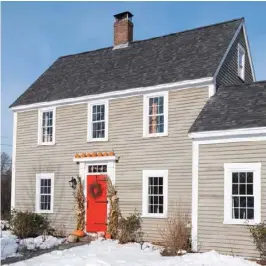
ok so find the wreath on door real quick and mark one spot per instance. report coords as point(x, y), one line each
point(96, 190)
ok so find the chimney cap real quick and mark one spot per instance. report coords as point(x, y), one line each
point(123, 15)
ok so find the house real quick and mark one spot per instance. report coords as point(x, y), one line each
point(176, 119)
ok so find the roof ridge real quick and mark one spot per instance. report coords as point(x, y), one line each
point(162, 36)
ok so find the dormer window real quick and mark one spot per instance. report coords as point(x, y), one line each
point(241, 62)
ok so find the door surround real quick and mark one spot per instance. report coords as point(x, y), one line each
point(84, 164)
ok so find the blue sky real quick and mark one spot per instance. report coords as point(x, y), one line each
point(35, 34)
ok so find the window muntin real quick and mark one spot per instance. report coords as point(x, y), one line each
point(155, 115)
point(242, 193)
point(98, 121)
point(155, 193)
point(44, 192)
point(241, 62)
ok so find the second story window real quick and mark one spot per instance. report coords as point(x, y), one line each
point(155, 120)
point(46, 132)
point(241, 62)
point(98, 121)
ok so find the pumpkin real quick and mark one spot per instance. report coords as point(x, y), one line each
point(93, 154)
point(99, 154)
point(88, 154)
point(78, 233)
point(105, 154)
point(77, 155)
point(83, 155)
point(111, 153)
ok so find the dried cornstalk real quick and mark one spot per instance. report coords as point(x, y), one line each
point(80, 205)
point(114, 211)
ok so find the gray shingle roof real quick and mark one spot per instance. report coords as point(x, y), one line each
point(234, 107)
point(180, 56)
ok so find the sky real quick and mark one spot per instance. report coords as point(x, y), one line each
point(35, 34)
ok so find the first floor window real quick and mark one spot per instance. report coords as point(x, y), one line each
point(44, 192)
point(242, 193)
point(155, 193)
point(98, 123)
point(156, 114)
point(46, 126)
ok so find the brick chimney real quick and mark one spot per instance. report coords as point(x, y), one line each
point(123, 28)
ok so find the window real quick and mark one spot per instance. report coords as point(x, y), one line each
point(98, 121)
point(46, 127)
point(242, 193)
point(155, 120)
point(241, 62)
point(155, 193)
point(97, 168)
point(44, 192)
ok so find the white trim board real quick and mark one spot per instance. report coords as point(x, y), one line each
point(95, 159)
point(186, 84)
point(208, 135)
point(13, 183)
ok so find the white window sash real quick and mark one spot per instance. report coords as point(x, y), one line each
point(90, 122)
point(145, 195)
point(241, 57)
point(229, 168)
point(38, 192)
point(40, 126)
point(146, 115)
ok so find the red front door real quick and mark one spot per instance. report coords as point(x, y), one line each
point(96, 214)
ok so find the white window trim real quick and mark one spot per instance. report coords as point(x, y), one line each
point(38, 192)
point(145, 179)
point(89, 127)
point(146, 114)
point(240, 47)
point(40, 112)
point(228, 169)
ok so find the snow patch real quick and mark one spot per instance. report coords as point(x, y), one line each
point(110, 253)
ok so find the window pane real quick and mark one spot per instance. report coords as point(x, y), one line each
point(250, 202)
point(160, 181)
point(235, 201)
point(250, 213)
point(243, 213)
point(242, 177)
point(156, 190)
point(150, 181)
point(156, 181)
point(250, 177)
point(249, 189)
point(235, 177)
point(150, 209)
point(161, 200)
point(235, 213)
point(235, 189)
point(243, 202)
point(242, 190)
point(161, 209)
point(161, 190)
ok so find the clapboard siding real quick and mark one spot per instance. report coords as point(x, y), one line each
point(228, 73)
point(212, 233)
point(172, 152)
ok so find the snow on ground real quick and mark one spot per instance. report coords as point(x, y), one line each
point(10, 244)
point(110, 253)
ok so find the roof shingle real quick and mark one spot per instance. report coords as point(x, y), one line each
point(234, 107)
point(181, 56)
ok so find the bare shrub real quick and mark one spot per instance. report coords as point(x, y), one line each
point(176, 234)
point(129, 228)
point(29, 224)
point(258, 233)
